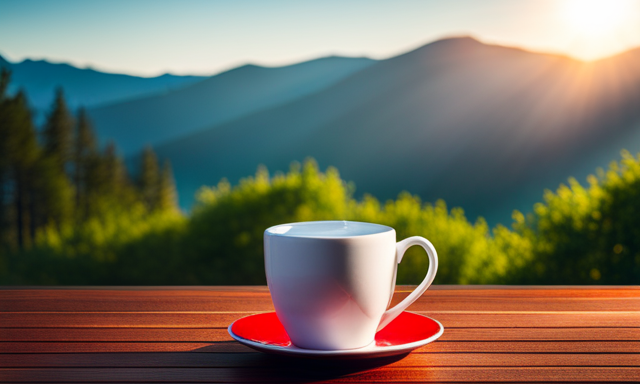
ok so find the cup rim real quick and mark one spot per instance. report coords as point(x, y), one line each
point(380, 229)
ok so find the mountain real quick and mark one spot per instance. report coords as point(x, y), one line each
point(484, 127)
point(216, 100)
point(85, 87)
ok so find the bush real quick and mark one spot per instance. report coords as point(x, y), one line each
point(587, 235)
point(577, 235)
point(98, 251)
point(224, 235)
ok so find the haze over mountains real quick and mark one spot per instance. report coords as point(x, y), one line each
point(86, 87)
point(218, 99)
point(483, 127)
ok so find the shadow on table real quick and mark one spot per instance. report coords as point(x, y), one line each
point(257, 365)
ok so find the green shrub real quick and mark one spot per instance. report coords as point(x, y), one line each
point(577, 235)
point(587, 235)
point(225, 233)
point(95, 251)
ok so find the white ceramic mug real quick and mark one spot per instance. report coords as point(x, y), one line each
point(331, 281)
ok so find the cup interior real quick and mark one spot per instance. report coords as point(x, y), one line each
point(327, 229)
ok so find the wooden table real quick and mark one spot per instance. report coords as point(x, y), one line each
point(178, 334)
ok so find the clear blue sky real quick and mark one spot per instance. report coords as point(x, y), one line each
point(204, 37)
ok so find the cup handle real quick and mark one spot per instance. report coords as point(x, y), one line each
point(401, 248)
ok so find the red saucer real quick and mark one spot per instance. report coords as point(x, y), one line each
point(265, 333)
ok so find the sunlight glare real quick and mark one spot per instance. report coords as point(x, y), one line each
point(597, 17)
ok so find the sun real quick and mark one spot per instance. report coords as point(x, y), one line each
point(597, 17)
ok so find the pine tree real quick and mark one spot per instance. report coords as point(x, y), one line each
point(25, 156)
point(53, 190)
point(58, 132)
point(53, 193)
point(5, 77)
point(5, 221)
point(149, 178)
point(116, 179)
point(18, 153)
point(166, 189)
point(88, 174)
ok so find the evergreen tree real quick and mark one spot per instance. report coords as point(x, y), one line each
point(18, 153)
point(116, 179)
point(24, 157)
point(5, 224)
point(87, 165)
point(166, 189)
point(58, 132)
point(94, 185)
point(5, 77)
point(149, 179)
point(53, 193)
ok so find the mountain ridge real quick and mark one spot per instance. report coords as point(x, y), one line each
point(521, 115)
point(215, 100)
point(482, 126)
point(83, 86)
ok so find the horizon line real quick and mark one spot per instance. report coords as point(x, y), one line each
point(92, 67)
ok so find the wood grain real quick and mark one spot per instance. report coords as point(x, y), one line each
point(232, 346)
point(450, 319)
point(254, 304)
point(256, 359)
point(127, 300)
point(178, 334)
point(291, 374)
point(221, 334)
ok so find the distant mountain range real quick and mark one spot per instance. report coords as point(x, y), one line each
point(483, 127)
point(83, 87)
point(219, 99)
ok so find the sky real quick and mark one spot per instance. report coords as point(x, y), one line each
point(149, 38)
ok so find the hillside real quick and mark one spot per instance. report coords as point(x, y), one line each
point(84, 86)
point(218, 99)
point(483, 127)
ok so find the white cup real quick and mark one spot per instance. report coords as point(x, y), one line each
point(332, 281)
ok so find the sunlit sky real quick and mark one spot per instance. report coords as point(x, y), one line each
point(204, 37)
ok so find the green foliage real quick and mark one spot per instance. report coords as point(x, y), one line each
point(103, 250)
point(69, 214)
point(116, 180)
point(19, 160)
point(58, 132)
point(156, 186)
point(52, 195)
point(578, 235)
point(68, 210)
point(587, 235)
point(87, 167)
point(467, 252)
point(224, 236)
point(222, 241)
point(167, 195)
